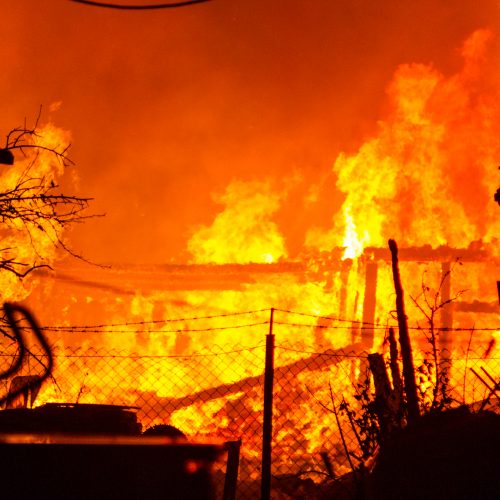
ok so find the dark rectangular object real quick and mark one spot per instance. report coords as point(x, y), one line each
point(105, 468)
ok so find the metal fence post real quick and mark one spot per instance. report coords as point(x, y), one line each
point(267, 426)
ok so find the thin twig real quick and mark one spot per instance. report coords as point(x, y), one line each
point(342, 437)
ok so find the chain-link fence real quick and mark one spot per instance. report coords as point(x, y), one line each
point(218, 392)
point(321, 413)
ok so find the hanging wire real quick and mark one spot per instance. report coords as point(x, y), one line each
point(329, 318)
point(152, 322)
point(140, 7)
point(348, 323)
point(70, 329)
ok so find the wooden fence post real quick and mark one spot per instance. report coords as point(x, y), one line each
point(410, 384)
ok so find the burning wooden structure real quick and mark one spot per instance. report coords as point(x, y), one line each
point(351, 289)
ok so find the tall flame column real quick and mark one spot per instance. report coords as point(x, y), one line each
point(410, 385)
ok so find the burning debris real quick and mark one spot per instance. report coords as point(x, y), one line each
point(423, 179)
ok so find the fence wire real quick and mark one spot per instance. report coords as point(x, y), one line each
point(217, 392)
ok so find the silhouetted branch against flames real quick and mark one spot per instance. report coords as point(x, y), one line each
point(31, 205)
point(24, 138)
point(11, 311)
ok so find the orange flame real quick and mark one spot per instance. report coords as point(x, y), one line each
point(427, 177)
point(27, 241)
point(243, 232)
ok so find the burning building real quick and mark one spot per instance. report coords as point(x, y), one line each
point(426, 178)
point(187, 338)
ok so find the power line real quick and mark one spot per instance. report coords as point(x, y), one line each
point(140, 7)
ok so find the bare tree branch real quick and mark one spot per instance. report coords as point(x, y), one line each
point(31, 205)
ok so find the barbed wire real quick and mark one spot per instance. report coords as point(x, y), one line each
point(153, 322)
point(381, 326)
point(310, 315)
point(348, 324)
point(70, 329)
point(326, 352)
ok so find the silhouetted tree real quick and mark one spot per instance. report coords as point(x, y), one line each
point(31, 206)
point(33, 216)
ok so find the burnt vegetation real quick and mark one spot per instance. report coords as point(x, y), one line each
point(31, 204)
point(416, 440)
point(33, 216)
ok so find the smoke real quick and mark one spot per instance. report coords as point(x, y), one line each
point(428, 174)
point(166, 108)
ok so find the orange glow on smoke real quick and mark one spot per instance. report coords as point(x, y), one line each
point(426, 177)
point(244, 232)
point(26, 241)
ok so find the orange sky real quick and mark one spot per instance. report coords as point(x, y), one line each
point(168, 107)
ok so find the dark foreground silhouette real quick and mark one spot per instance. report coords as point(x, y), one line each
point(450, 455)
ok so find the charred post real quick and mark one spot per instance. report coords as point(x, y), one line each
point(410, 385)
point(397, 382)
point(387, 398)
point(383, 392)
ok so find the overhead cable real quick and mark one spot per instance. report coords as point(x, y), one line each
point(140, 7)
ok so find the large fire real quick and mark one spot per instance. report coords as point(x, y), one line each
point(426, 179)
point(427, 176)
point(27, 240)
